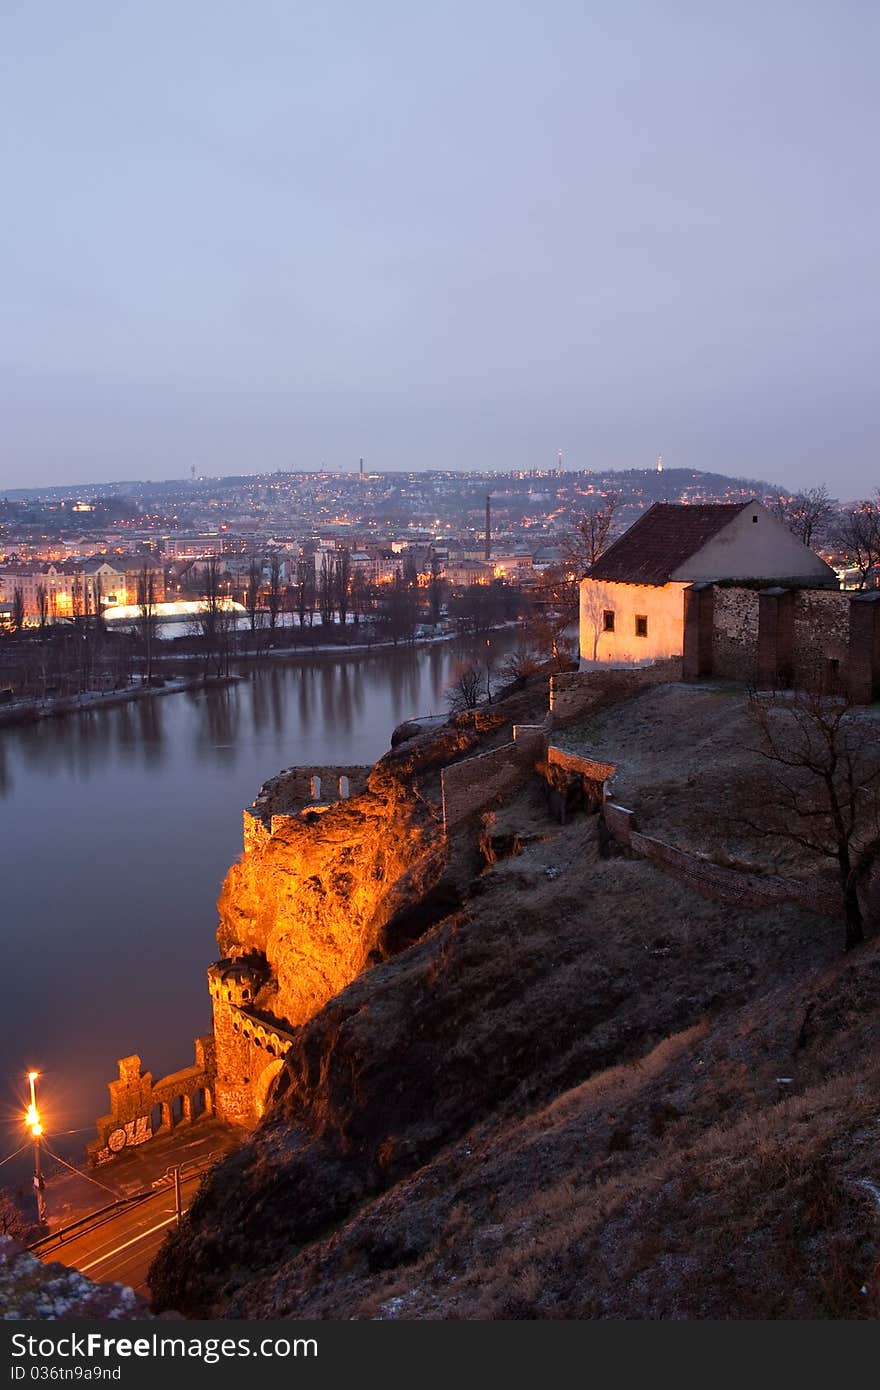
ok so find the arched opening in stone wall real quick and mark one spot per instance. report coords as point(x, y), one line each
point(156, 1118)
point(315, 787)
point(198, 1102)
point(264, 1082)
point(343, 788)
point(177, 1110)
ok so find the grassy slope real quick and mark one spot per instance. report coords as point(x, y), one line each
point(564, 1101)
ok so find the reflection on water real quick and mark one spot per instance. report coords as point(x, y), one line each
point(118, 826)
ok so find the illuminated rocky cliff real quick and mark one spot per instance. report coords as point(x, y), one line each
point(303, 912)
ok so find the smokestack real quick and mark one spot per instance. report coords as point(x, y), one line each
point(362, 468)
point(488, 527)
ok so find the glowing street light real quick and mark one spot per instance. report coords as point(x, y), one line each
point(34, 1124)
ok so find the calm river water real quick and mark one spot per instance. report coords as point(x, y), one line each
point(118, 826)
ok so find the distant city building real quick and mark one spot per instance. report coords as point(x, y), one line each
point(73, 588)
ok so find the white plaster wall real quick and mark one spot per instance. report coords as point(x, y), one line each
point(661, 604)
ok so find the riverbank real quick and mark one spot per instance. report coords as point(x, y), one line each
point(337, 648)
point(30, 711)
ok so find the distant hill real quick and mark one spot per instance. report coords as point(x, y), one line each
point(673, 484)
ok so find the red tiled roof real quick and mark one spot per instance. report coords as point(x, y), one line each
point(661, 540)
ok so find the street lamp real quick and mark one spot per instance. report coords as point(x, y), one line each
point(32, 1118)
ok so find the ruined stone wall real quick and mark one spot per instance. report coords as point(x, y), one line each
point(821, 638)
point(620, 822)
point(584, 767)
point(733, 885)
point(716, 881)
point(472, 785)
point(735, 633)
point(531, 740)
point(803, 639)
point(140, 1107)
point(255, 831)
point(302, 913)
point(296, 787)
point(574, 694)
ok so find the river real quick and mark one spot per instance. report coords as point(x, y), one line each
point(118, 827)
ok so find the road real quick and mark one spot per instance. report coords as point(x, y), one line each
point(121, 1248)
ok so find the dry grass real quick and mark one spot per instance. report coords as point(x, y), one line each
point(588, 1094)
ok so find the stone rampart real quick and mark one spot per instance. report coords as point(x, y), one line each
point(575, 694)
point(475, 783)
point(781, 637)
point(292, 791)
point(249, 1048)
point(584, 767)
point(734, 648)
point(141, 1108)
point(735, 886)
point(620, 822)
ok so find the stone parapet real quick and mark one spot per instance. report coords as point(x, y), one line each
point(576, 694)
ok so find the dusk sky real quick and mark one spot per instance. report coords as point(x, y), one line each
point(251, 236)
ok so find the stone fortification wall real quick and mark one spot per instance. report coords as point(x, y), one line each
point(735, 886)
point(821, 638)
point(716, 881)
point(250, 1048)
point(583, 767)
point(475, 783)
point(292, 791)
point(809, 639)
point(140, 1107)
point(735, 633)
point(574, 694)
point(297, 786)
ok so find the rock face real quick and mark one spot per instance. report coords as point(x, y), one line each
point(305, 910)
point(313, 900)
point(31, 1289)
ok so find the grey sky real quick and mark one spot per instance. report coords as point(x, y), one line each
point(265, 235)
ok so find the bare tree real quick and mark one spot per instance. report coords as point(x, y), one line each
point(466, 690)
point(252, 593)
point(589, 539)
point(326, 589)
point(435, 589)
point(13, 1221)
point(302, 589)
point(16, 617)
point(343, 585)
point(275, 592)
point(520, 664)
point(360, 595)
point(820, 788)
point(209, 616)
point(808, 515)
point(554, 614)
point(858, 537)
point(399, 609)
point(97, 597)
point(43, 608)
point(147, 620)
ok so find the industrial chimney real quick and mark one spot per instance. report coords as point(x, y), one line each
point(488, 527)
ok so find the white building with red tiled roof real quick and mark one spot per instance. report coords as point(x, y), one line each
point(632, 598)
